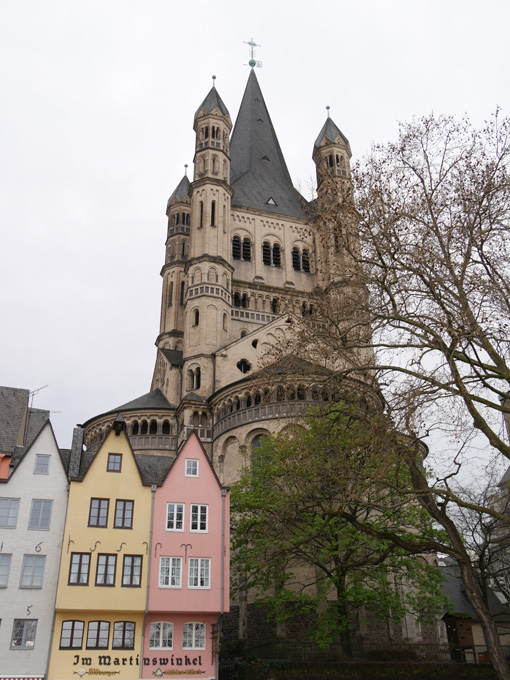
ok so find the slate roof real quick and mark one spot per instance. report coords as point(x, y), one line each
point(331, 132)
point(181, 191)
point(505, 479)
point(192, 396)
point(258, 170)
point(155, 399)
point(212, 101)
point(153, 469)
point(173, 356)
point(13, 404)
point(454, 589)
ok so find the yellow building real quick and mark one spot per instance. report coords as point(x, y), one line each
point(102, 590)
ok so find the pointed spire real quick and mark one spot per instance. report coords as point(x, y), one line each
point(332, 134)
point(259, 174)
point(182, 189)
point(211, 102)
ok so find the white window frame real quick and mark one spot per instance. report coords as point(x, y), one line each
point(192, 465)
point(199, 573)
point(175, 512)
point(5, 568)
point(196, 512)
point(177, 561)
point(38, 458)
point(28, 632)
point(37, 526)
point(10, 508)
point(31, 563)
point(163, 625)
point(197, 628)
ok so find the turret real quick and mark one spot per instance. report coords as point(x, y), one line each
point(212, 127)
point(331, 155)
point(331, 152)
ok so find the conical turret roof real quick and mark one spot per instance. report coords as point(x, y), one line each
point(181, 191)
point(331, 133)
point(259, 175)
point(212, 101)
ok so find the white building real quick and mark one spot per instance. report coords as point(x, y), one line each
point(33, 501)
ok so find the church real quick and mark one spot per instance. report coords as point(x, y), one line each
point(241, 261)
point(243, 264)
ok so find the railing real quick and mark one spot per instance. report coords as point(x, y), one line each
point(279, 409)
point(155, 442)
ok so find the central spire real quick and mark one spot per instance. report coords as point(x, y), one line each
point(259, 174)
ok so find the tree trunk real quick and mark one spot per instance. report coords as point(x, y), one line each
point(459, 553)
point(343, 615)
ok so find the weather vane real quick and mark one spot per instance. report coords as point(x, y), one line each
point(252, 61)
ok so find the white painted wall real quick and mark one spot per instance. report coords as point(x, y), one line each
point(36, 603)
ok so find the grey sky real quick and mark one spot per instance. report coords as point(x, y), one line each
point(98, 98)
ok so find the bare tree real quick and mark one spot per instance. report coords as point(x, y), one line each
point(415, 248)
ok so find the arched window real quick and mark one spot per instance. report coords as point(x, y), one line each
point(245, 303)
point(201, 214)
point(266, 253)
point(331, 160)
point(134, 428)
point(243, 334)
point(225, 321)
point(296, 260)
point(144, 427)
point(213, 213)
point(247, 250)
point(236, 248)
point(153, 427)
point(257, 398)
point(305, 259)
point(187, 219)
point(237, 300)
point(182, 293)
point(196, 317)
point(280, 393)
point(198, 378)
point(166, 427)
point(206, 132)
point(204, 420)
point(277, 260)
point(301, 392)
point(170, 253)
point(195, 419)
point(274, 305)
point(170, 293)
point(248, 401)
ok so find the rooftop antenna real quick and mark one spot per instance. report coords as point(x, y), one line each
point(327, 109)
point(252, 61)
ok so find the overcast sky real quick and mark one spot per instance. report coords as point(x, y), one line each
point(98, 98)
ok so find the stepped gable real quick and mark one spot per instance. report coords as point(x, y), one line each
point(259, 175)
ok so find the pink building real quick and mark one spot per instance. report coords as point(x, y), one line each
point(189, 571)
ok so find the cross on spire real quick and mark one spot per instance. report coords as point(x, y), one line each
point(252, 61)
